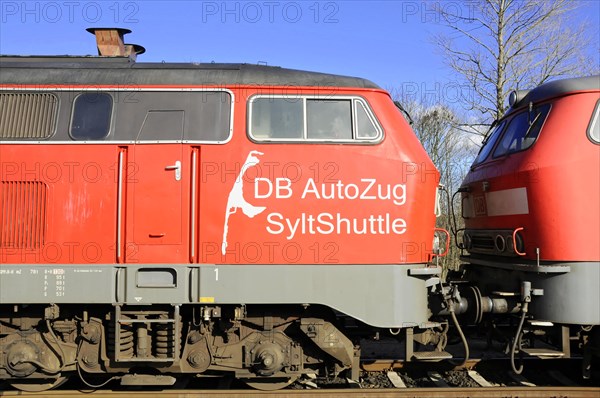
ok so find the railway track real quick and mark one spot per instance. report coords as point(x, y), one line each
point(521, 392)
point(477, 377)
point(381, 378)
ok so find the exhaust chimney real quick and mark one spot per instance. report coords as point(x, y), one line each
point(110, 43)
point(133, 50)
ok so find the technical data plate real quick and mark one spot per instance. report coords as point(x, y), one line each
point(98, 284)
point(30, 284)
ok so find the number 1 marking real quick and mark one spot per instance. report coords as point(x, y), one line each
point(216, 274)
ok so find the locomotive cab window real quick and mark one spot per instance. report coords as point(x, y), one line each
point(522, 131)
point(489, 142)
point(92, 113)
point(279, 118)
point(366, 128)
point(342, 119)
point(329, 119)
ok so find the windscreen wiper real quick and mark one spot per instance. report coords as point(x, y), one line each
point(399, 106)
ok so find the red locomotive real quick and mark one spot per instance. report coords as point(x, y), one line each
point(203, 218)
point(531, 205)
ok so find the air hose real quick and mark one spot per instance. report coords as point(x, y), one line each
point(456, 324)
point(61, 357)
point(460, 332)
point(517, 340)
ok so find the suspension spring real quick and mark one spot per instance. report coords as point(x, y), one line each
point(164, 340)
point(126, 341)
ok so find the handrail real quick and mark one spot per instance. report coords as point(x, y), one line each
point(514, 237)
point(447, 241)
point(121, 175)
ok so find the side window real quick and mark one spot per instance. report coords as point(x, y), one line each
point(162, 125)
point(27, 116)
point(329, 119)
point(344, 119)
point(92, 113)
point(594, 126)
point(522, 131)
point(208, 116)
point(279, 118)
point(192, 116)
point(490, 142)
point(366, 128)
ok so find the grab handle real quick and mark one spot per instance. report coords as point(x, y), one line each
point(514, 237)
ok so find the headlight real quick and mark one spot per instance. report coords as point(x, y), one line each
point(467, 242)
point(500, 243)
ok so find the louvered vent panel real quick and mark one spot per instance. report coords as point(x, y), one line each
point(27, 115)
point(23, 216)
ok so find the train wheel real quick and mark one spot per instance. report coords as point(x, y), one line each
point(39, 387)
point(269, 383)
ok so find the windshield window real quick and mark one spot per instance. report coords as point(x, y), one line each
point(522, 131)
point(489, 143)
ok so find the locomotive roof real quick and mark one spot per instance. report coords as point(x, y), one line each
point(560, 87)
point(90, 70)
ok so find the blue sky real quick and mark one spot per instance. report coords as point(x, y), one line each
point(385, 41)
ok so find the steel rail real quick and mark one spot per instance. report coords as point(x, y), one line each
point(483, 392)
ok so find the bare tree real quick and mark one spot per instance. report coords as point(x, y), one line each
point(452, 154)
point(451, 150)
point(439, 129)
point(498, 46)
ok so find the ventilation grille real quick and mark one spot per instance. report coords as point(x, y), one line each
point(23, 216)
point(27, 116)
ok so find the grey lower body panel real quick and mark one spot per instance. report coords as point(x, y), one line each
point(387, 296)
point(571, 297)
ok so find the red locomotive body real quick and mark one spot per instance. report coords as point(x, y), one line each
point(202, 219)
point(319, 200)
point(549, 190)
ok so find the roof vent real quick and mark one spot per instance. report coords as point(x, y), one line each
point(132, 50)
point(110, 43)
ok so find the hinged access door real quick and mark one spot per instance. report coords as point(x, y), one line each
point(158, 192)
point(159, 186)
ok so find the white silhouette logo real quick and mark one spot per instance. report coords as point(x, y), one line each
point(236, 197)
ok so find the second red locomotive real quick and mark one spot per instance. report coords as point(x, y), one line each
point(531, 205)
